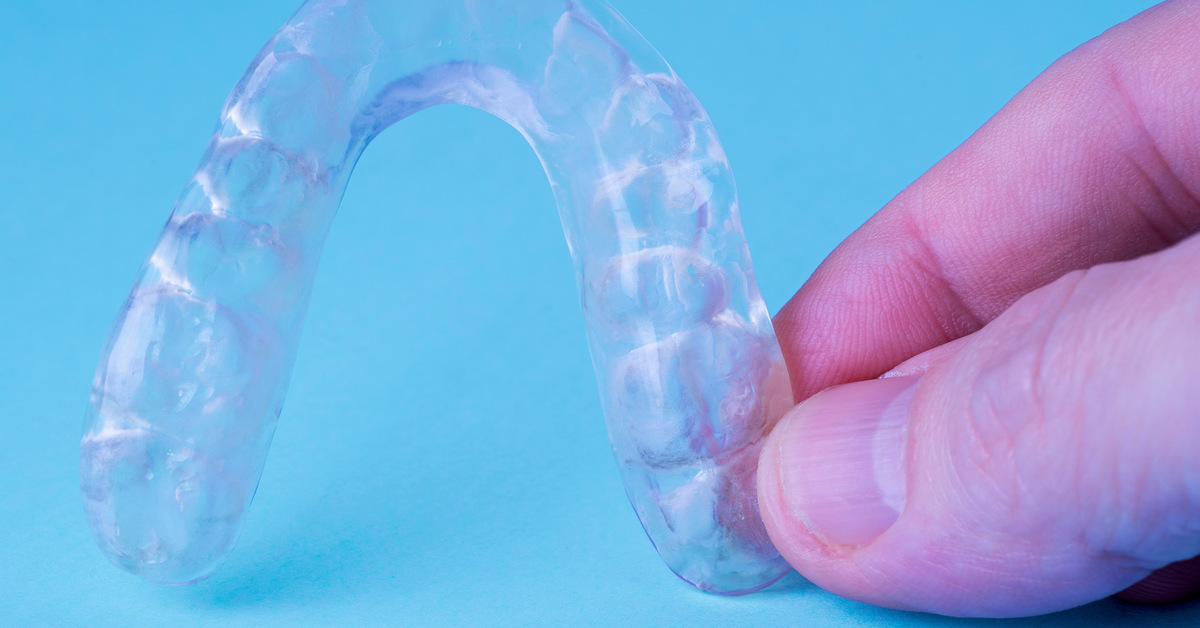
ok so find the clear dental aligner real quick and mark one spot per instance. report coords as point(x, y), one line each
point(192, 379)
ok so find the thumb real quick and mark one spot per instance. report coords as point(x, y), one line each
point(1043, 462)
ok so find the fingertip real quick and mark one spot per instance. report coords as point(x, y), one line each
point(787, 532)
point(817, 482)
point(770, 488)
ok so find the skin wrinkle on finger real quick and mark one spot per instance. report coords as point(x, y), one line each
point(1173, 198)
point(1162, 130)
point(1129, 483)
point(867, 286)
point(988, 471)
point(1039, 340)
point(933, 269)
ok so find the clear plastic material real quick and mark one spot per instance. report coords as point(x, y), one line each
point(192, 380)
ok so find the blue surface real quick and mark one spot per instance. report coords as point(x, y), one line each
point(442, 458)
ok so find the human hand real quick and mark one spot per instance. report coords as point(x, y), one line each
point(1035, 302)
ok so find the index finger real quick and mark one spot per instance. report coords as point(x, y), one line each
point(1097, 160)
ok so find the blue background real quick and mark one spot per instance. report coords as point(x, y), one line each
point(442, 458)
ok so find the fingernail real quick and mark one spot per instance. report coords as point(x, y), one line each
point(841, 459)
